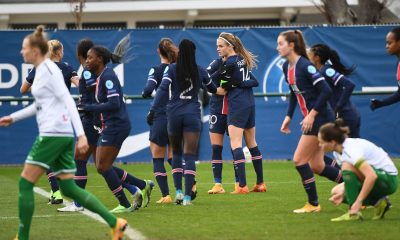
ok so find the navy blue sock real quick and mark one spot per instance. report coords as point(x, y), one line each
point(169, 160)
point(240, 167)
point(256, 159)
point(130, 179)
point(131, 188)
point(52, 180)
point(217, 162)
point(190, 172)
point(81, 173)
point(177, 170)
point(161, 175)
point(331, 162)
point(115, 185)
point(332, 174)
point(307, 177)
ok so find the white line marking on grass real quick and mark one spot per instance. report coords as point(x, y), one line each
point(42, 216)
point(129, 232)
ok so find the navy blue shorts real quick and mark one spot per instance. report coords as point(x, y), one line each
point(158, 130)
point(92, 134)
point(245, 118)
point(217, 123)
point(183, 123)
point(318, 122)
point(112, 136)
point(354, 126)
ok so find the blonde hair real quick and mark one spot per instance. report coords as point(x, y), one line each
point(238, 47)
point(38, 39)
point(54, 47)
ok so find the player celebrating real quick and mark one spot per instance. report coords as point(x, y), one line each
point(392, 48)
point(157, 118)
point(238, 81)
point(183, 112)
point(55, 110)
point(369, 174)
point(116, 127)
point(310, 90)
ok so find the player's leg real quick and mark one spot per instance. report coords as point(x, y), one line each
point(256, 158)
point(236, 136)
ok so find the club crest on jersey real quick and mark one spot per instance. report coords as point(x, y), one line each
point(330, 72)
point(151, 72)
point(109, 84)
point(311, 69)
point(87, 74)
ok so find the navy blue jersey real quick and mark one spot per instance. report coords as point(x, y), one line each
point(217, 102)
point(86, 91)
point(342, 89)
point(153, 82)
point(110, 102)
point(241, 95)
point(180, 101)
point(307, 87)
point(395, 97)
point(66, 70)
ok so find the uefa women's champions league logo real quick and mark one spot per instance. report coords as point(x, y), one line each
point(274, 80)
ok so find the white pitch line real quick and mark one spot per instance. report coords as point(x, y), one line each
point(42, 216)
point(129, 232)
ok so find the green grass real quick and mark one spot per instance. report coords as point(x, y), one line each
point(254, 216)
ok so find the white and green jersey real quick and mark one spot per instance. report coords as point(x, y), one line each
point(357, 150)
point(54, 106)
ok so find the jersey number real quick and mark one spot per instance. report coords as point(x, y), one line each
point(183, 96)
point(245, 74)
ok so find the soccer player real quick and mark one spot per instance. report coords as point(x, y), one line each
point(369, 174)
point(392, 48)
point(309, 88)
point(90, 121)
point(115, 127)
point(217, 128)
point(237, 80)
point(55, 53)
point(157, 119)
point(183, 80)
point(335, 73)
point(55, 110)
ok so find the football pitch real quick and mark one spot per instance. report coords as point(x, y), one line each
point(224, 216)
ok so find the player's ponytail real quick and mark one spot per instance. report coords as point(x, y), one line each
point(325, 53)
point(168, 49)
point(38, 39)
point(186, 66)
point(334, 131)
point(120, 54)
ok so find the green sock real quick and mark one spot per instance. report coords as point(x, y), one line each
point(87, 200)
point(352, 186)
point(26, 204)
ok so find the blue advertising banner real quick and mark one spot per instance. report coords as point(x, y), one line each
point(363, 46)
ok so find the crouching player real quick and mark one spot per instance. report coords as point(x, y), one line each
point(369, 174)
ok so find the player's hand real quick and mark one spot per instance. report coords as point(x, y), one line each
point(75, 80)
point(338, 112)
point(337, 194)
point(285, 125)
point(6, 121)
point(82, 145)
point(150, 117)
point(221, 91)
point(307, 123)
point(81, 107)
point(145, 95)
point(375, 103)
